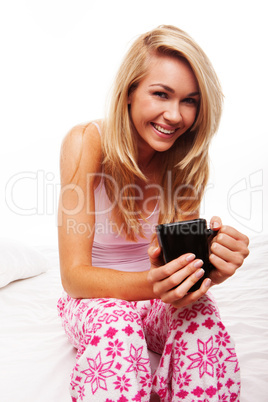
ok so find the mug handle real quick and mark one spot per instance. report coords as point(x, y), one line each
point(211, 233)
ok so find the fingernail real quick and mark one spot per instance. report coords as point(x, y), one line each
point(215, 225)
point(207, 282)
point(199, 273)
point(190, 257)
point(198, 263)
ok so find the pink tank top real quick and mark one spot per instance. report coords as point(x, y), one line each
point(110, 247)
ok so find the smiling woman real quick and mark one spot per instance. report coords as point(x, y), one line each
point(146, 163)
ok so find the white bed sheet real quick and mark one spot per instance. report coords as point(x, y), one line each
point(37, 359)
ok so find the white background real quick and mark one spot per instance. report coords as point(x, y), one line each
point(58, 60)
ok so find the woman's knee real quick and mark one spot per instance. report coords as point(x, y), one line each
point(202, 314)
point(109, 316)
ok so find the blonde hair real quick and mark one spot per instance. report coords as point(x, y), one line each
point(187, 160)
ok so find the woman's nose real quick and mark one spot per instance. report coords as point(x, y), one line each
point(173, 114)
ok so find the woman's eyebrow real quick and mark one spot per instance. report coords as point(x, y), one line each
point(168, 89)
point(164, 87)
point(194, 93)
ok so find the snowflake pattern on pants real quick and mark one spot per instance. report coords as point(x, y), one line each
point(197, 363)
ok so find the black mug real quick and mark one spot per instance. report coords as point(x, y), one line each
point(184, 237)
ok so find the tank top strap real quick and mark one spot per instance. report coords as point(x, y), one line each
point(97, 126)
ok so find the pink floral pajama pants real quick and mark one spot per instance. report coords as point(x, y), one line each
point(198, 361)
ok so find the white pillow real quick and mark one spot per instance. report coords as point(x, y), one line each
point(18, 261)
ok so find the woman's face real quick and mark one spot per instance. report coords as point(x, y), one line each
point(164, 105)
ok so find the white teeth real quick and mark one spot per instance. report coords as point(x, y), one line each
point(163, 130)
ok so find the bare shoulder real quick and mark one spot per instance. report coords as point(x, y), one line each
point(81, 152)
point(82, 138)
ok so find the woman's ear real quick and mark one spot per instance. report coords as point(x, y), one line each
point(131, 92)
point(129, 100)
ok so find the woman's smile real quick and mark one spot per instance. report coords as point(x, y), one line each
point(162, 130)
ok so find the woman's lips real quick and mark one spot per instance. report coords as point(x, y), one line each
point(163, 130)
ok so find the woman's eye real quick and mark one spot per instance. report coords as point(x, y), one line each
point(162, 95)
point(191, 101)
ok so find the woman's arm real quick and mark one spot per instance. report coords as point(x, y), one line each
point(81, 158)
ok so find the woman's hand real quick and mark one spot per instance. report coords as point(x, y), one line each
point(229, 248)
point(172, 281)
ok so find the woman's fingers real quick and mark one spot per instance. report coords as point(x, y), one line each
point(176, 277)
point(226, 241)
point(155, 256)
point(160, 272)
point(228, 250)
point(227, 255)
point(182, 288)
point(232, 239)
point(230, 245)
point(192, 296)
point(172, 281)
point(215, 223)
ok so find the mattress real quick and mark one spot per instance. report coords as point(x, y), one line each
point(37, 359)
